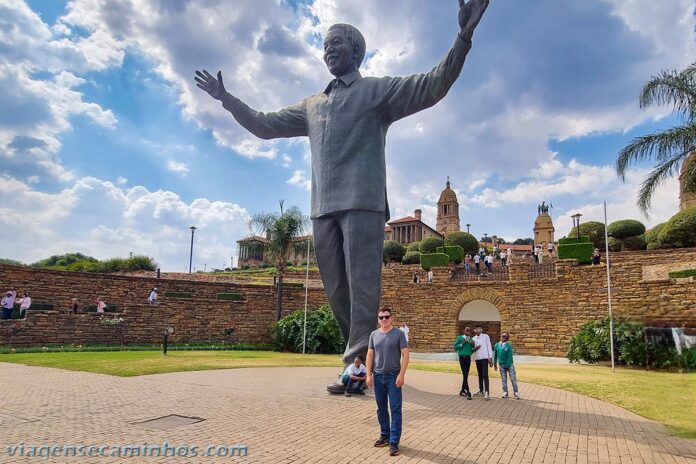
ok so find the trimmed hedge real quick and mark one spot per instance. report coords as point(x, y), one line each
point(431, 260)
point(229, 296)
point(682, 274)
point(634, 243)
point(615, 244)
point(625, 228)
point(680, 230)
point(393, 251)
point(429, 245)
point(178, 294)
point(293, 284)
point(411, 257)
point(455, 253)
point(414, 246)
point(651, 235)
point(467, 241)
point(581, 251)
point(594, 230)
point(574, 240)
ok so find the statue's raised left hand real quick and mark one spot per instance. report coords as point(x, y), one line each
point(470, 13)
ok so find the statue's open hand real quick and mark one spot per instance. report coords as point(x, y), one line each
point(214, 87)
point(470, 13)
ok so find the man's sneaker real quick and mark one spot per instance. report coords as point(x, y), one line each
point(359, 392)
point(381, 442)
point(478, 393)
point(347, 393)
point(517, 397)
point(393, 449)
point(485, 396)
point(505, 395)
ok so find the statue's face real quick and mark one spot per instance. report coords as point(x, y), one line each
point(339, 54)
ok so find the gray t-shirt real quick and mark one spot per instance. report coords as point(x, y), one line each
point(387, 348)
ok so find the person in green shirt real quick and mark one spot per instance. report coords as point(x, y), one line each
point(464, 346)
point(502, 355)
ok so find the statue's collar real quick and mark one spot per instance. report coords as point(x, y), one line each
point(347, 79)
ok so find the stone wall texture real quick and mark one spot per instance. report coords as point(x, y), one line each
point(540, 313)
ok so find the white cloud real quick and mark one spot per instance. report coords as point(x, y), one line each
point(298, 179)
point(286, 160)
point(178, 167)
point(255, 148)
point(103, 220)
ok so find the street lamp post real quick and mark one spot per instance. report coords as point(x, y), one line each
point(576, 223)
point(467, 228)
point(193, 229)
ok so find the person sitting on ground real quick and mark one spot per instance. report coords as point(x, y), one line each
point(596, 257)
point(502, 354)
point(152, 299)
point(25, 303)
point(8, 304)
point(354, 377)
point(101, 306)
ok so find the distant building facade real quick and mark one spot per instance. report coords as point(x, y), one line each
point(251, 252)
point(409, 229)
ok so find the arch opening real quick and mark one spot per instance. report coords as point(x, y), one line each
point(483, 313)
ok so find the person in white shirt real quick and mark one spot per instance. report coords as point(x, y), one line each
point(404, 328)
point(477, 263)
point(8, 304)
point(549, 248)
point(25, 303)
point(354, 377)
point(509, 256)
point(540, 253)
point(503, 258)
point(430, 276)
point(101, 306)
point(152, 299)
point(484, 359)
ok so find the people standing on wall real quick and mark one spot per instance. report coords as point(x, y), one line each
point(549, 248)
point(535, 254)
point(484, 359)
point(540, 254)
point(415, 276)
point(464, 346)
point(430, 276)
point(477, 263)
point(101, 306)
point(596, 257)
point(74, 307)
point(387, 361)
point(404, 328)
point(8, 304)
point(24, 304)
point(502, 355)
point(503, 258)
point(152, 299)
point(467, 263)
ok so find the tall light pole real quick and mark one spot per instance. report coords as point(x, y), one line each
point(193, 229)
point(467, 228)
point(576, 223)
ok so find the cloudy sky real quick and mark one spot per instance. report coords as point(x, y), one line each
point(107, 146)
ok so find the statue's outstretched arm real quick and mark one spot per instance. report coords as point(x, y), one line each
point(288, 122)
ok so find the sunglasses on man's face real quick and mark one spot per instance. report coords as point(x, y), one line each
point(383, 318)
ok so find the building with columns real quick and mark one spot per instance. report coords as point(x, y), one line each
point(447, 211)
point(409, 229)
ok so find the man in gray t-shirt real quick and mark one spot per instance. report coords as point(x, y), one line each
point(387, 361)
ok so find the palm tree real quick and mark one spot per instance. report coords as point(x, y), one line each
point(669, 148)
point(283, 234)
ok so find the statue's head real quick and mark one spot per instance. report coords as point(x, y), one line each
point(344, 49)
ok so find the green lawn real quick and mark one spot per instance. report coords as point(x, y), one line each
point(666, 397)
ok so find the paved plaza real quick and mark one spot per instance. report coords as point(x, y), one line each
point(284, 415)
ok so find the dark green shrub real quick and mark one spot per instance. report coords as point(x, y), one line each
point(591, 343)
point(62, 261)
point(651, 235)
point(594, 230)
point(429, 245)
point(393, 251)
point(682, 274)
point(323, 333)
point(455, 253)
point(467, 241)
point(229, 296)
point(625, 228)
point(635, 243)
point(570, 249)
point(11, 262)
point(431, 260)
point(293, 284)
point(184, 295)
point(680, 230)
point(614, 244)
point(654, 246)
point(574, 239)
point(414, 246)
point(411, 257)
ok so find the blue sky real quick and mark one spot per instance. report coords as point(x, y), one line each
point(107, 146)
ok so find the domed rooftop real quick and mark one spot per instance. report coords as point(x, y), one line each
point(447, 195)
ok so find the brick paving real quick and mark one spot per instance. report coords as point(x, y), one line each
point(284, 415)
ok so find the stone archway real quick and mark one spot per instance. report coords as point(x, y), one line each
point(482, 307)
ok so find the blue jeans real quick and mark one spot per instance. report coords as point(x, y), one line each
point(352, 385)
point(7, 313)
point(513, 378)
point(467, 266)
point(388, 397)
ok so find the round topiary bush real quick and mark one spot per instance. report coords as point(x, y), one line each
point(594, 230)
point(467, 241)
point(680, 230)
point(411, 257)
point(393, 251)
point(634, 243)
point(654, 246)
point(651, 235)
point(429, 245)
point(614, 244)
point(625, 228)
point(413, 246)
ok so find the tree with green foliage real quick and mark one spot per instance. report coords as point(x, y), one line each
point(625, 228)
point(680, 230)
point(635, 243)
point(282, 232)
point(672, 147)
point(411, 257)
point(413, 246)
point(64, 260)
point(11, 262)
point(429, 245)
point(465, 240)
point(524, 241)
point(652, 234)
point(393, 251)
point(594, 230)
